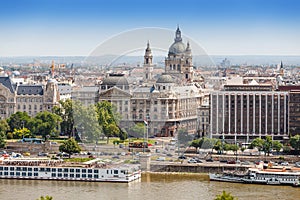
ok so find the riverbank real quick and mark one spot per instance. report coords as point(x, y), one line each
point(202, 168)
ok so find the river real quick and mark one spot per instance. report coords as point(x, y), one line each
point(151, 187)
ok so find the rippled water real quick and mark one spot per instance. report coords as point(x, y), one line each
point(152, 186)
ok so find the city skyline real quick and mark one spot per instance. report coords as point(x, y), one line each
point(41, 28)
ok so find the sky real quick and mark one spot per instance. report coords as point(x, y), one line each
point(221, 27)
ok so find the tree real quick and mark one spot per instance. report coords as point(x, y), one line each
point(295, 142)
point(225, 196)
point(137, 130)
point(277, 146)
point(46, 124)
point(22, 133)
point(267, 145)
point(107, 119)
point(183, 137)
point(65, 111)
point(45, 198)
point(3, 130)
point(258, 143)
point(85, 121)
point(70, 146)
point(19, 120)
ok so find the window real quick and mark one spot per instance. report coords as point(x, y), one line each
point(72, 175)
point(77, 175)
point(36, 174)
point(96, 176)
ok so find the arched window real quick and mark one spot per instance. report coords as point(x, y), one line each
point(174, 67)
point(178, 67)
point(170, 67)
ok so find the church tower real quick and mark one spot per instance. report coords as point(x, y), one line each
point(179, 60)
point(148, 66)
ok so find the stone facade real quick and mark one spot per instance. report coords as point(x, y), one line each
point(26, 98)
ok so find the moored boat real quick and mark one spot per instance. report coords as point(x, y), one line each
point(273, 176)
point(46, 169)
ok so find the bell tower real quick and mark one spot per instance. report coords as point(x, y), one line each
point(148, 66)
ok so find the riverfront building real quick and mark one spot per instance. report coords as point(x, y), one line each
point(28, 98)
point(243, 112)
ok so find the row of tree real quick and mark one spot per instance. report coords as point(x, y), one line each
point(70, 118)
point(266, 145)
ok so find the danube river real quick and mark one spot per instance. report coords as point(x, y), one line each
point(152, 187)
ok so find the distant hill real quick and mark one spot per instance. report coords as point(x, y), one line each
point(115, 60)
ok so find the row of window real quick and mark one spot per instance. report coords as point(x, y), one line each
point(72, 170)
point(30, 174)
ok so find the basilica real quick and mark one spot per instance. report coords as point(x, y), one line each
point(167, 104)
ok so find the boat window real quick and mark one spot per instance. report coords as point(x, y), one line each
point(5, 173)
point(83, 175)
point(53, 174)
point(18, 169)
point(90, 171)
point(24, 169)
point(42, 169)
point(65, 175)
point(47, 169)
point(11, 169)
point(35, 169)
point(72, 175)
point(59, 175)
point(36, 174)
point(116, 171)
point(59, 170)
point(122, 172)
point(96, 171)
point(1, 168)
point(53, 169)
point(0, 173)
point(71, 170)
point(17, 173)
point(107, 171)
point(77, 175)
point(29, 174)
point(66, 169)
point(96, 176)
point(77, 170)
point(11, 173)
point(23, 173)
point(83, 171)
point(30, 169)
point(90, 176)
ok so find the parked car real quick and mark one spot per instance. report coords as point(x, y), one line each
point(192, 160)
point(297, 164)
point(182, 157)
point(42, 154)
point(231, 162)
point(209, 160)
point(284, 163)
point(160, 159)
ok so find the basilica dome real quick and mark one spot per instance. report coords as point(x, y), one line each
point(177, 48)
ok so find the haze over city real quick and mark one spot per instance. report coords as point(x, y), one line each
point(75, 28)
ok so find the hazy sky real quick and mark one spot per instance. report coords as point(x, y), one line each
point(222, 27)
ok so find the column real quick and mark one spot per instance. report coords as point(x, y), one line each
point(235, 117)
point(253, 113)
point(259, 115)
point(266, 111)
point(217, 118)
point(229, 112)
point(211, 115)
point(284, 117)
point(248, 117)
point(223, 128)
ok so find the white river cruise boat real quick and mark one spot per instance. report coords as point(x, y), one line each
point(46, 169)
point(271, 176)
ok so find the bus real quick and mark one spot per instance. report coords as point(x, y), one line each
point(138, 145)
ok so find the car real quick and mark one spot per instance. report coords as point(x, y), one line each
point(231, 162)
point(192, 160)
point(42, 154)
point(284, 164)
point(170, 155)
point(160, 159)
point(182, 157)
point(115, 157)
point(209, 160)
point(297, 164)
